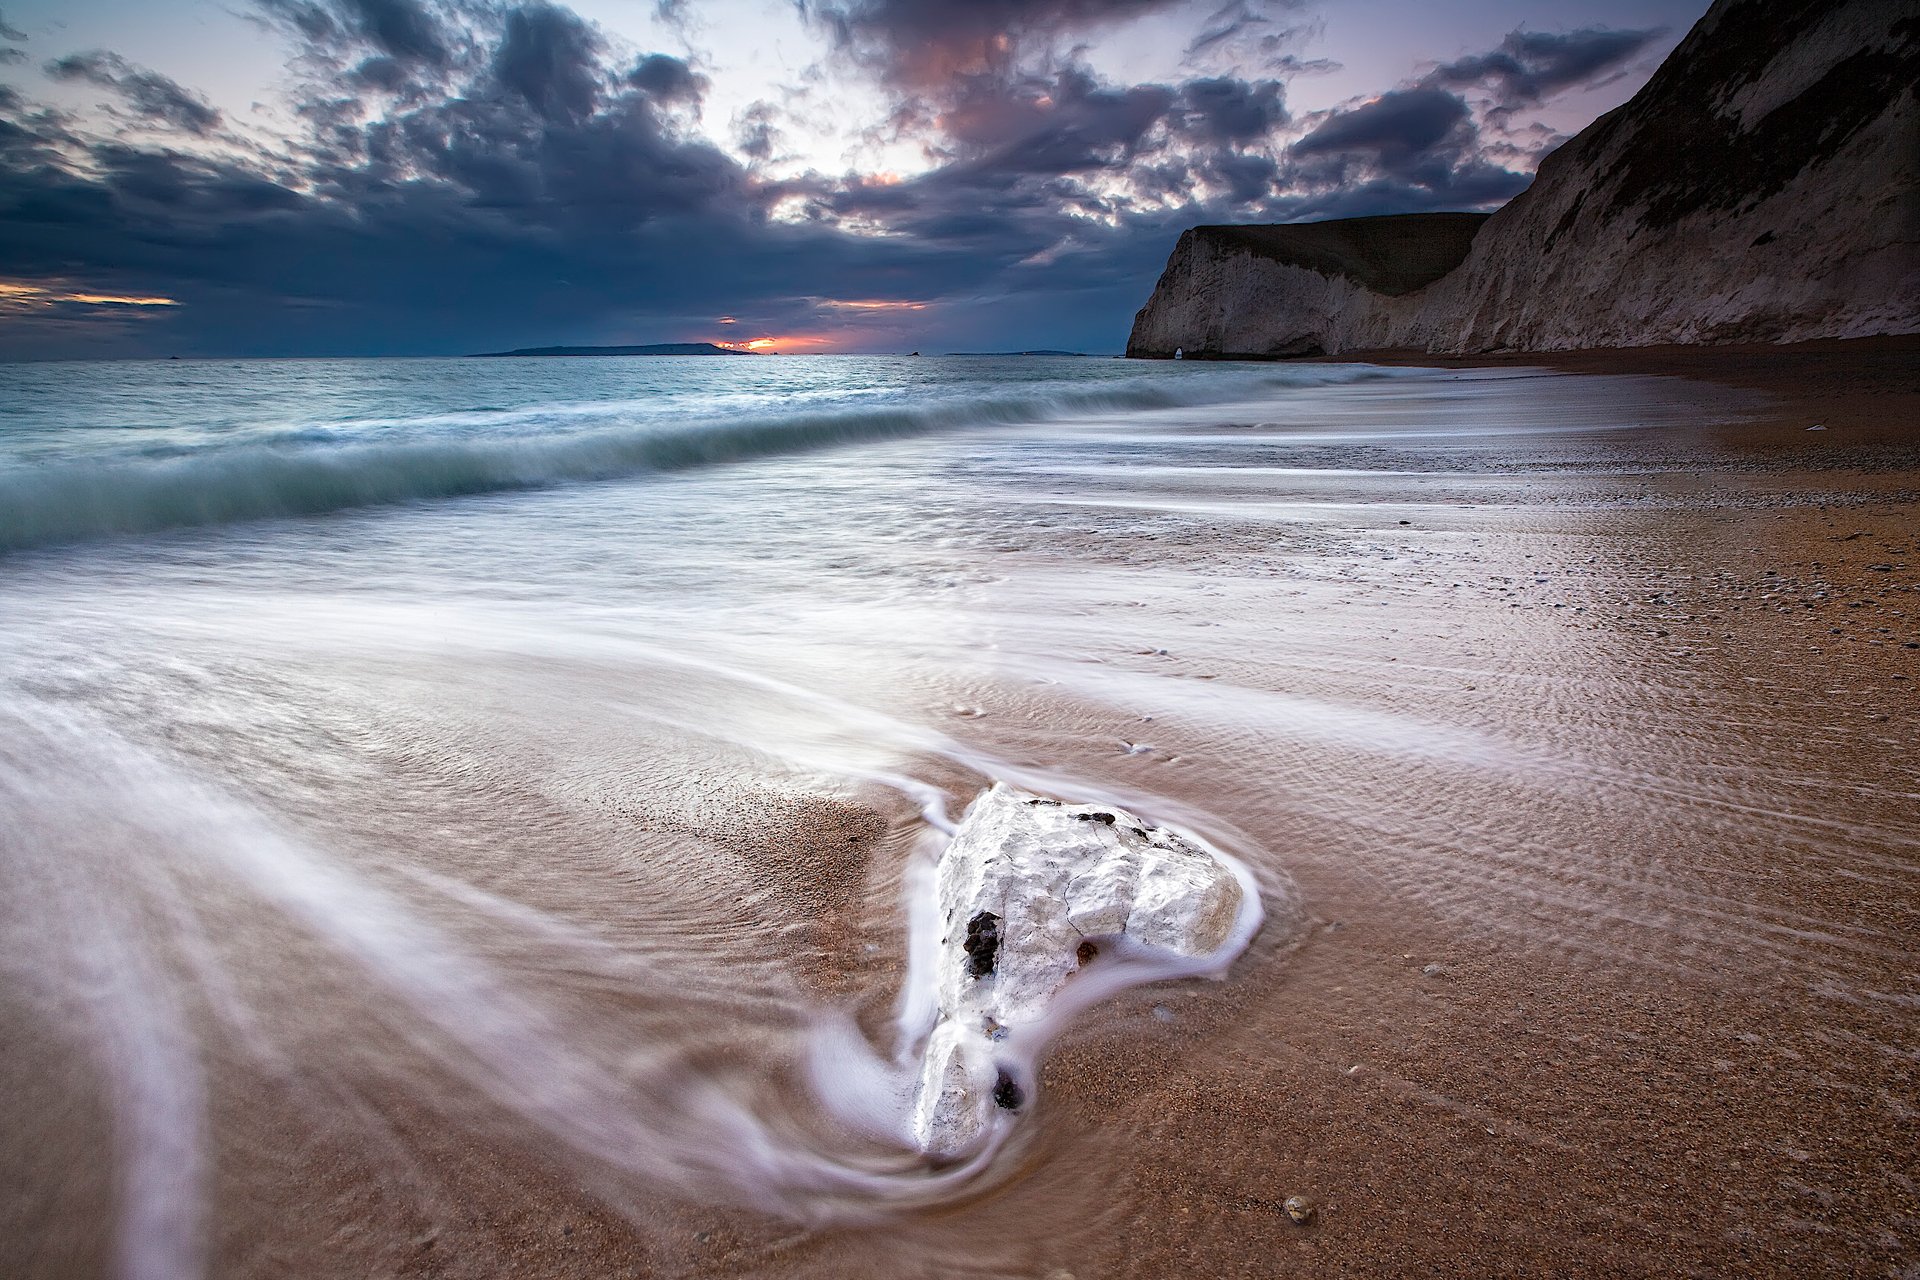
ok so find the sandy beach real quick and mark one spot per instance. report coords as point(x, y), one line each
point(1563, 716)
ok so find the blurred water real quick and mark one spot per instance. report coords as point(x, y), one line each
point(539, 752)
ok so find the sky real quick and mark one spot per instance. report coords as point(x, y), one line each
point(439, 177)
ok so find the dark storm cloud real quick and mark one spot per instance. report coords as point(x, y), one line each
point(148, 93)
point(1070, 123)
point(551, 59)
point(1407, 151)
point(8, 32)
point(929, 42)
point(667, 79)
point(1396, 128)
point(1222, 110)
point(380, 72)
point(1247, 178)
point(400, 29)
point(1531, 66)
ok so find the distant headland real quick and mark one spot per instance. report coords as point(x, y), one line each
point(651, 349)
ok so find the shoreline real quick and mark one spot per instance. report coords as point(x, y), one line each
point(1560, 718)
point(1868, 385)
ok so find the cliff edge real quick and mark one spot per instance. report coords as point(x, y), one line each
point(1764, 186)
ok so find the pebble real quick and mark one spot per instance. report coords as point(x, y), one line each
point(1300, 1209)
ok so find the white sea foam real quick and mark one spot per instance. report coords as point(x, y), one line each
point(70, 496)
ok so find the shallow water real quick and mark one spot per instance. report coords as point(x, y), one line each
point(455, 801)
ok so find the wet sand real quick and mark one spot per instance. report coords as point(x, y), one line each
point(1593, 952)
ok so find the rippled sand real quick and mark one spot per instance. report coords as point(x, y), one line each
point(357, 927)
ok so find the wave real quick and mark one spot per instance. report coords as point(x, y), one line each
point(302, 473)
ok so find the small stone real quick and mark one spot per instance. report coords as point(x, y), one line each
point(1433, 970)
point(1300, 1209)
point(1163, 1013)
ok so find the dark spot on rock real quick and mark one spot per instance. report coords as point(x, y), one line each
point(1096, 817)
point(1765, 237)
point(1085, 952)
point(982, 944)
point(1006, 1092)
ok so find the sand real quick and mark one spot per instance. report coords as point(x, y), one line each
point(1614, 972)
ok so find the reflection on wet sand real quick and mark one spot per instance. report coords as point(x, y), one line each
point(366, 921)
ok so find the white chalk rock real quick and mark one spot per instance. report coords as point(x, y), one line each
point(1046, 907)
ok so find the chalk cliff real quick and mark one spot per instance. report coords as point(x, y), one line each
point(1764, 186)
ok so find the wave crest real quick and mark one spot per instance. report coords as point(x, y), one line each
point(296, 474)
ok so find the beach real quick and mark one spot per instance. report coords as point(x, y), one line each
point(500, 876)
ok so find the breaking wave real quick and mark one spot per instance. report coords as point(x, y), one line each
point(316, 471)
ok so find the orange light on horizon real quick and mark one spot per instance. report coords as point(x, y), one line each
point(872, 304)
point(770, 343)
point(22, 294)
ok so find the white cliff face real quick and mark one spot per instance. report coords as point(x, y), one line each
point(1044, 908)
point(1225, 300)
point(1763, 187)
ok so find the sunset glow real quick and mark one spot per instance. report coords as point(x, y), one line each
point(871, 304)
point(18, 293)
point(765, 344)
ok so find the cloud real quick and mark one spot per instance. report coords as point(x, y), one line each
point(550, 58)
point(927, 43)
point(13, 34)
point(1071, 123)
point(1222, 110)
point(403, 30)
point(668, 79)
point(1396, 129)
point(149, 94)
point(1226, 24)
point(1531, 66)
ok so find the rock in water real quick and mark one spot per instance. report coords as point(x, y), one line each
point(1046, 907)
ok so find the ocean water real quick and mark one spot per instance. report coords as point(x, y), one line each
point(429, 784)
point(137, 447)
